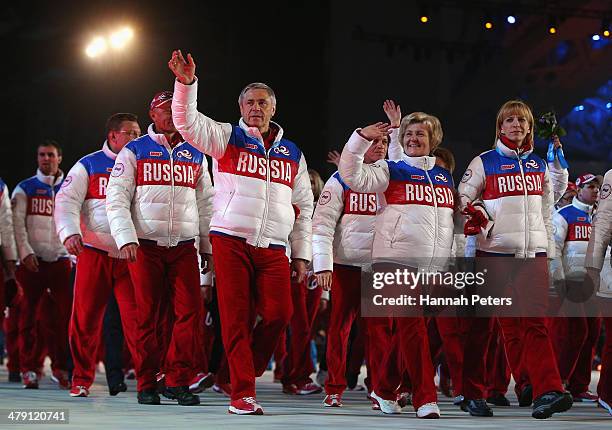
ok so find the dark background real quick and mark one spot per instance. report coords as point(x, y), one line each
point(331, 64)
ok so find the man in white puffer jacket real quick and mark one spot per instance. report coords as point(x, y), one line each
point(44, 263)
point(342, 234)
point(158, 202)
point(262, 213)
point(82, 226)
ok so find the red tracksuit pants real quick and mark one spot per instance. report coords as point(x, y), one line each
point(453, 334)
point(250, 281)
point(54, 277)
point(97, 277)
point(345, 308)
point(298, 364)
point(604, 388)
point(498, 372)
point(413, 356)
point(159, 273)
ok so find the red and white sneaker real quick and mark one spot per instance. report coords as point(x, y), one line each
point(428, 411)
point(225, 389)
point(30, 380)
point(310, 388)
point(586, 397)
point(201, 382)
point(245, 406)
point(60, 377)
point(333, 401)
point(375, 405)
point(79, 391)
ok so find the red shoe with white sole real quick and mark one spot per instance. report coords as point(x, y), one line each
point(309, 388)
point(201, 382)
point(333, 401)
point(245, 406)
point(79, 391)
point(30, 380)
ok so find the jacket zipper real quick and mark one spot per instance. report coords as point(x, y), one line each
point(171, 197)
point(265, 213)
point(525, 206)
point(435, 201)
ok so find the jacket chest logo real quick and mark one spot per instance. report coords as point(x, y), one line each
point(532, 164)
point(184, 153)
point(282, 150)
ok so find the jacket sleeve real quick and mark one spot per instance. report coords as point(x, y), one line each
point(560, 234)
point(470, 190)
point(119, 195)
point(300, 237)
point(559, 177)
point(365, 178)
point(68, 202)
point(209, 136)
point(601, 233)
point(324, 221)
point(204, 198)
point(547, 210)
point(19, 202)
point(396, 152)
point(7, 234)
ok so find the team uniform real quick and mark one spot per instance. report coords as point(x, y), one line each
point(517, 198)
point(343, 230)
point(7, 237)
point(81, 210)
point(262, 213)
point(414, 230)
point(598, 257)
point(35, 233)
point(159, 196)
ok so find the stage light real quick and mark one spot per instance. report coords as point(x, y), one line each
point(595, 37)
point(552, 25)
point(423, 13)
point(424, 19)
point(488, 25)
point(605, 27)
point(608, 105)
point(96, 47)
point(606, 33)
point(511, 19)
point(120, 38)
point(579, 108)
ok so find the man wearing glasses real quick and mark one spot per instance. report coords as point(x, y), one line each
point(81, 202)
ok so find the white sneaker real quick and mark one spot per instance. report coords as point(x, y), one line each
point(428, 410)
point(387, 406)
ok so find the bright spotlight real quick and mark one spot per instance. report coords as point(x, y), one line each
point(96, 47)
point(120, 38)
point(606, 33)
point(579, 108)
point(424, 19)
point(511, 19)
point(595, 37)
point(608, 105)
point(488, 25)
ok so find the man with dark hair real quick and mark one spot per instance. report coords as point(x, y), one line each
point(82, 226)
point(159, 202)
point(45, 265)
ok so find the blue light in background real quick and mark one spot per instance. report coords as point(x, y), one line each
point(579, 108)
point(511, 19)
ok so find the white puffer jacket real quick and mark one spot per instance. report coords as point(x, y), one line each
point(517, 196)
point(601, 237)
point(7, 234)
point(261, 196)
point(342, 226)
point(33, 205)
point(572, 229)
point(415, 224)
point(159, 193)
point(80, 205)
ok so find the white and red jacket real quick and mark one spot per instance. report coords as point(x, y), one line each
point(159, 193)
point(33, 206)
point(342, 226)
point(262, 196)
point(517, 196)
point(80, 204)
point(7, 235)
point(598, 252)
point(572, 229)
point(415, 224)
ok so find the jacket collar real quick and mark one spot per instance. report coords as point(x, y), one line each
point(507, 152)
point(107, 151)
point(160, 138)
point(424, 162)
point(49, 180)
point(582, 206)
point(254, 131)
